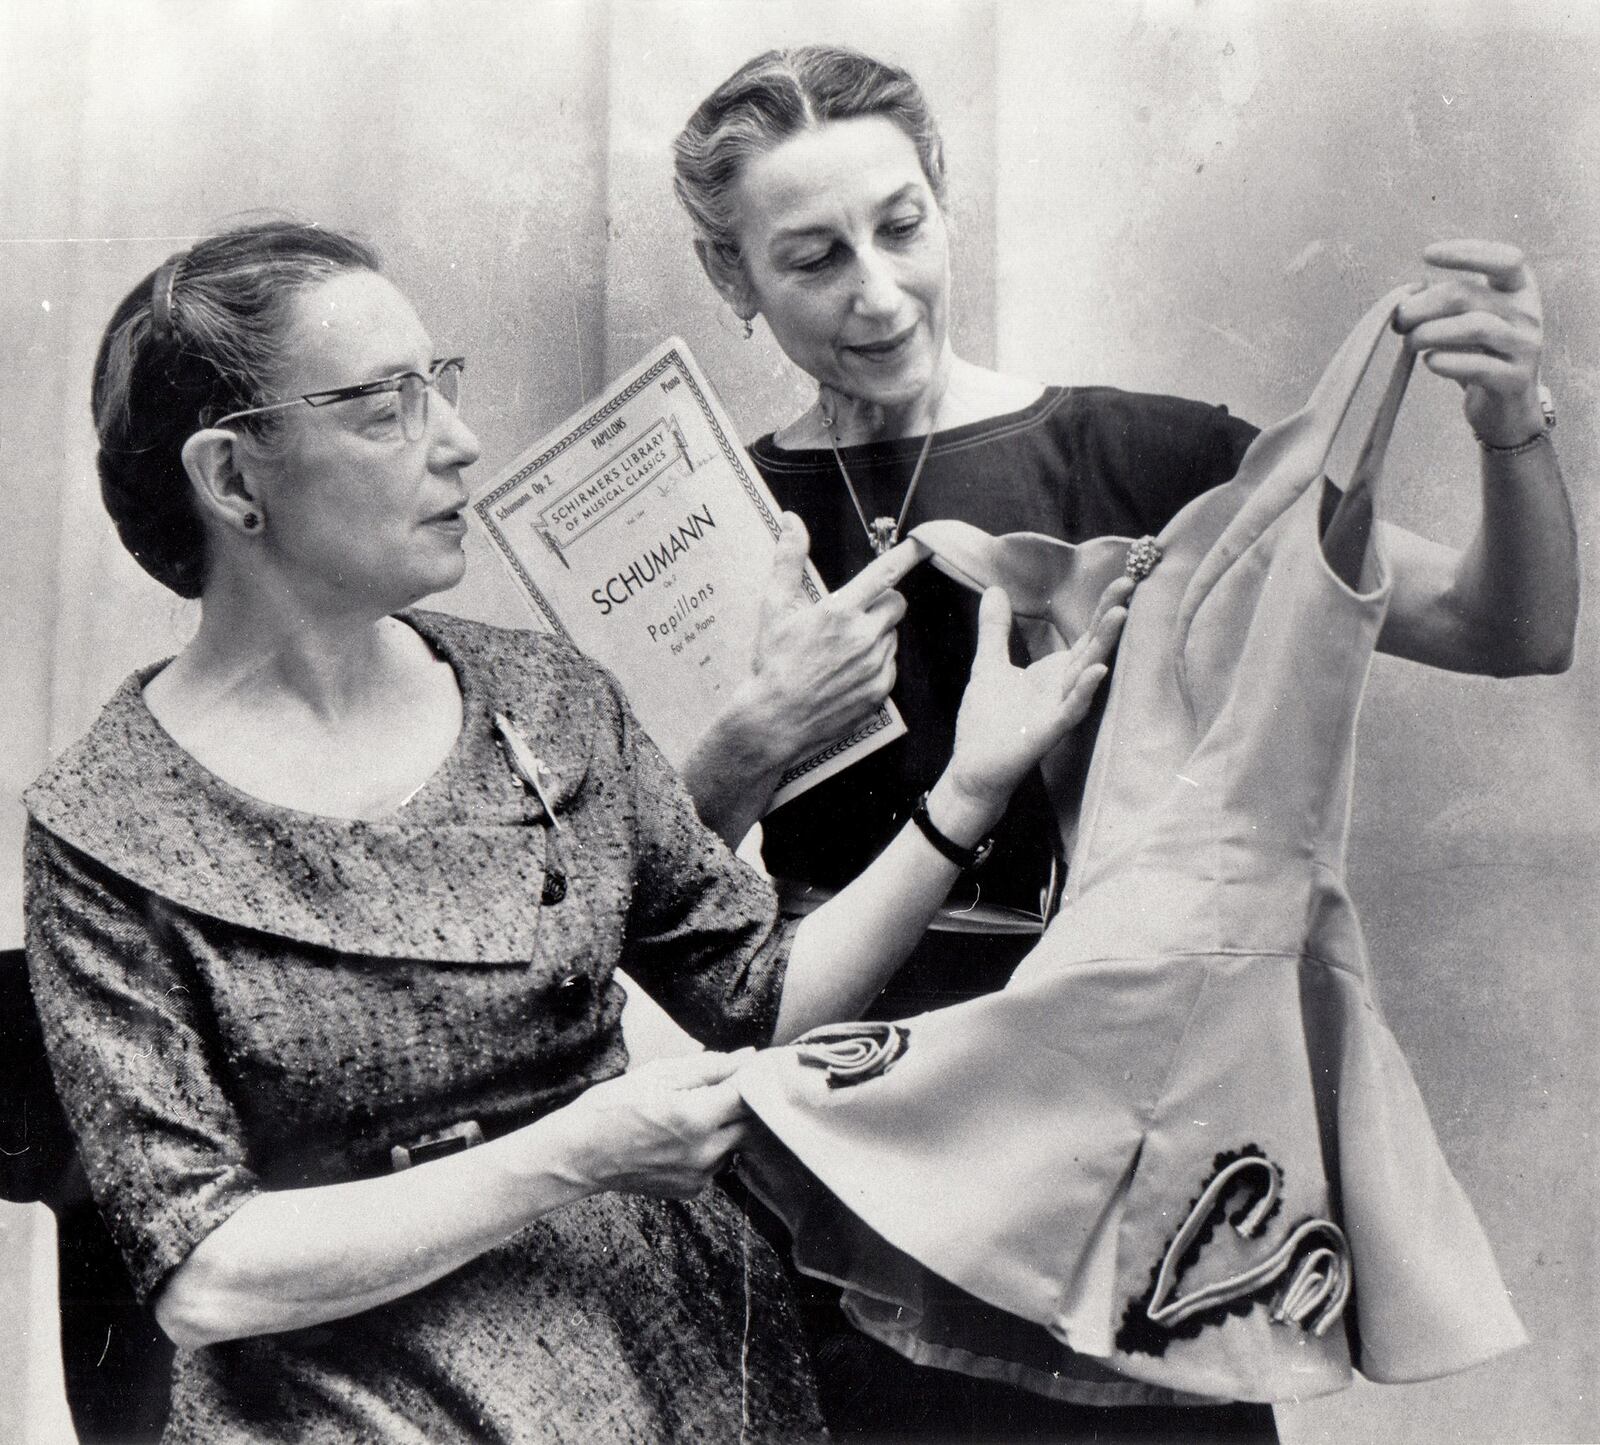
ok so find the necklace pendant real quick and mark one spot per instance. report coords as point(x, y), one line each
point(884, 534)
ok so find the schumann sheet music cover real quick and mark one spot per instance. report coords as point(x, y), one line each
point(639, 529)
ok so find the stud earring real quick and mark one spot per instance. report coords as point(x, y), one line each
point(251, 521)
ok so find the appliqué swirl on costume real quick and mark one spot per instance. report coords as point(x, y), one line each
point(854, 1052)
point(1313, 1258)
point(1142, 558)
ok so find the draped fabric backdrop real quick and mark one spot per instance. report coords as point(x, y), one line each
point(1196, 198)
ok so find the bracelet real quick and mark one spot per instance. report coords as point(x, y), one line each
point(1516, 449)
point(1547, 408)
point(962, 857)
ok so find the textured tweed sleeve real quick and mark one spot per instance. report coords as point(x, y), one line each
point(127, 1042)
point(704, 938)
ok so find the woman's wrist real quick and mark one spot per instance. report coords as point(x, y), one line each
point(1523, 434)
point(557, 1155)
point(1515, 423)
point(749, 736)
point(963, 815)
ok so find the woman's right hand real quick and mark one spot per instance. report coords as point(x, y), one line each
point(818, 669)
point(664, 1128)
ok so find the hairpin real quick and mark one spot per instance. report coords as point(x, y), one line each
point(161, 321)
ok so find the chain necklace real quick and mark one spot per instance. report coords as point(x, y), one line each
point(882, 532)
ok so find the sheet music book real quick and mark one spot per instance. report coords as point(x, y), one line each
point(640, 530)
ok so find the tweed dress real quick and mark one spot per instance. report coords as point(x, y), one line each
point(239, 997)
point(1179, 1156)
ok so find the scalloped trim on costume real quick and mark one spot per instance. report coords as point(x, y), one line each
point(1313, 1258)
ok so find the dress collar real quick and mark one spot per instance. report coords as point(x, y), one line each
point(452, 877)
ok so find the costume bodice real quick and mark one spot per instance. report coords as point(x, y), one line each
point(1214, 820)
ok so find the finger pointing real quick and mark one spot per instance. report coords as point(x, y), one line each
point(881, 573)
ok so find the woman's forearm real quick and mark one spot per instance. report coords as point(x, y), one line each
point(292, 1258)
point(1526, 560)
point(1010, 717)
point(845, 952)
point(1508, 604)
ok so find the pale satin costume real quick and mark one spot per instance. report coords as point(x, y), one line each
point(1180, 1154)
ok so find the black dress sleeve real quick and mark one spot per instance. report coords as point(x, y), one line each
point(1142, 458)
point(131, 1058)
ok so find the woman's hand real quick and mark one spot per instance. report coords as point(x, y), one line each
point(1482, 326)
point(1012, 716)
point(1507, 604)
point(818, 669)
point(664, 1128)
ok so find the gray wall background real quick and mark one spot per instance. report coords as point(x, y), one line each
point(1194, 197)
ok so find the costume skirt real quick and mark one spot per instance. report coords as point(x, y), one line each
point(1212, 1175)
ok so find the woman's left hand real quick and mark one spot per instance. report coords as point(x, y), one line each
point(1012, 716)
point(845, 952)
point(1482, 326)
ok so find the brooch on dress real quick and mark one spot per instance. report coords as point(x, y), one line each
point(1142, 558)
point(529, 770)
point(852, 1053)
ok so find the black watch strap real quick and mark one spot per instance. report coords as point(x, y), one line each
point(964, 858)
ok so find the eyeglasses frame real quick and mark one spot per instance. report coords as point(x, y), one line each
point(437, 369)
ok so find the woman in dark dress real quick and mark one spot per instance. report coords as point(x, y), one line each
point(815, 180)
point(325, 913)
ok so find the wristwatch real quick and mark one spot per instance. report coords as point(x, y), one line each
point(964, 858)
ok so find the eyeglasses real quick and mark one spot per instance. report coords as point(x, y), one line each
point(410, 388)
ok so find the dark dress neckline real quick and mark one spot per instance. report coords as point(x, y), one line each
point(775, 456)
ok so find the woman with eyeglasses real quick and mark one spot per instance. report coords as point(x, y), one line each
point(325, 912)
point(815, 181)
